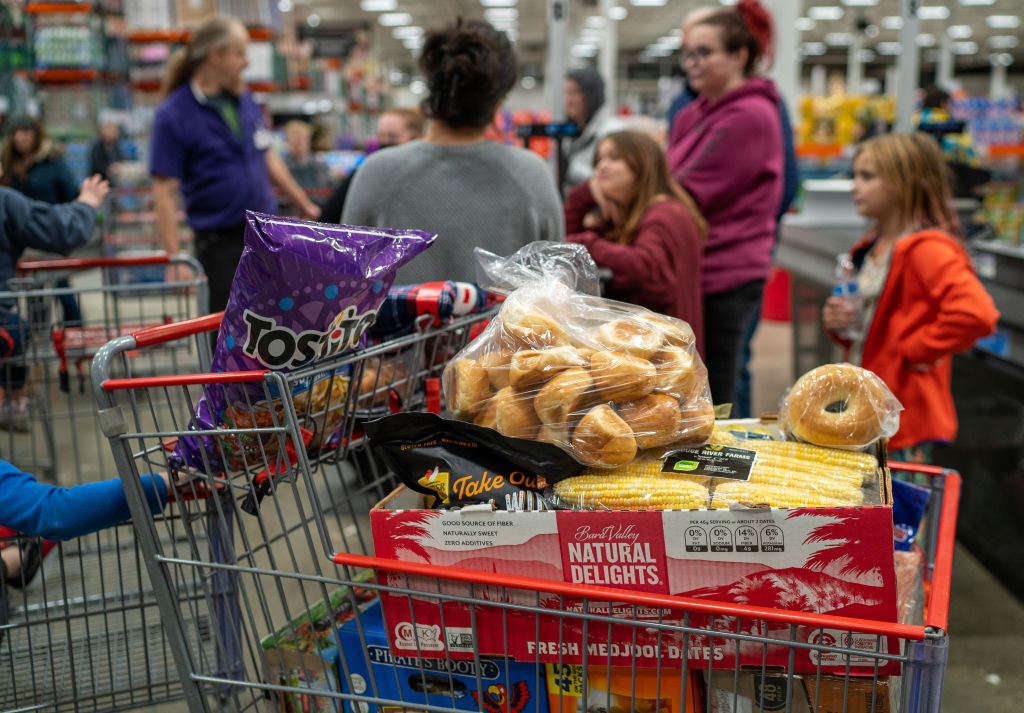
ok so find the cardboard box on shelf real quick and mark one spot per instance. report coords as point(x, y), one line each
point(834, 560)
point(753, 692)
point(378, 671)
point(623, 688)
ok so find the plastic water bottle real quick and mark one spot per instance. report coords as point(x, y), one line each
point(846, 287)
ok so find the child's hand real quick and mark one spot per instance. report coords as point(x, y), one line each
point(837, 314)
point(92, 191)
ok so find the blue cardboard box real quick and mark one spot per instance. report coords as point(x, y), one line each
point(507, 686)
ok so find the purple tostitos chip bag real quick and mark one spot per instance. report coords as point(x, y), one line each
point(303, 292)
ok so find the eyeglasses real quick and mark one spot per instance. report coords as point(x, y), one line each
point(696, 56)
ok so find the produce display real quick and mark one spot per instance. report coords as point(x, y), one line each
point(603, 380)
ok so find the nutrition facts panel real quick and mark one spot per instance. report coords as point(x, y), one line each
point(734, 538)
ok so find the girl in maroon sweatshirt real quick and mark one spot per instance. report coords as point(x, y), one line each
point(725, 148)
point(637, 222)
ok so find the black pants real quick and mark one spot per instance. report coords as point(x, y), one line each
point(727, 315)
point(219, 251)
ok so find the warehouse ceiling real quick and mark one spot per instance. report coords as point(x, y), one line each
point(648, 30)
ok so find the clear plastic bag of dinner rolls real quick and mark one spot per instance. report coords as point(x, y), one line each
point(839, 405)
point(605, 381)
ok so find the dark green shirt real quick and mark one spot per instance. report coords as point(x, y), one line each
point(227, 106)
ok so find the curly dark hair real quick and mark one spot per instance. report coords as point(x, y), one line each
point(470, 67)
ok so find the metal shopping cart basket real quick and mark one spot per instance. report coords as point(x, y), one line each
point(293, 599)
point(82, 631)
point(130, 230)
point(47, 415)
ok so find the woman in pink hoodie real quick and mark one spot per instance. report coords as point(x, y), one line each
point(725, 149)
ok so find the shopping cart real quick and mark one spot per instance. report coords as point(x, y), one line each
point(47, 415)
point(83, 632)
point(130, 229)
point(287, 583)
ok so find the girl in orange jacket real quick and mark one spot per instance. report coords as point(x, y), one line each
point(921, 301)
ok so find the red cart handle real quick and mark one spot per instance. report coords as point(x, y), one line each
point(163, 333)
point(87, 263)
point(643, 599)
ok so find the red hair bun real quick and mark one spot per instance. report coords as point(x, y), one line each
point(759, 20)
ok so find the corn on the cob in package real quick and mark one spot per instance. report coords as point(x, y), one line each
point(784, 475)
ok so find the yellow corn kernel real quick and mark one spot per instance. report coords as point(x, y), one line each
point(863, 463)
point(844, 491)
point(642, 469)
point(777, 496)
point(664, 491)
point(723, 438)
point(822, 471)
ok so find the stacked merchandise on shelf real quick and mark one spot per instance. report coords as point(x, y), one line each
point(1003, 209)
point(994, 124)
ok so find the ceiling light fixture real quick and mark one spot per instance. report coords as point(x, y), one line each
point(404, 33)
point(1003, 42)
point(888, 48)
point(964, 47)
point(959, 32)
point(813, 49)
point(892, 22)
point(497, 14)
point(825, 13)
point(378, 5)
point(804, 24)
point(839, 39)
point(313, 20)
point(926, 39)
point(618, 13)
point(933, 12)
point(394, 19)
point(647, 3)
point(1002, 22)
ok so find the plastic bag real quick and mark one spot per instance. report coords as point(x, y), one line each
point(603, 380)
point(568, 264)
point(840, 405)
point(303, 292)
point(461, 464)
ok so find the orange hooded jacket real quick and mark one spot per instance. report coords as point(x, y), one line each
point(931, 307)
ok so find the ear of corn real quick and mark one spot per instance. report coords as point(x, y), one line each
point(817, 471)
point(818, 456)
point(632, 492)
point(807, 483)
point(777, 496)
point(644, 469)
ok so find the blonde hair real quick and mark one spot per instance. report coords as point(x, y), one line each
point(212, 35)
point(647, 162)
point(913, 166)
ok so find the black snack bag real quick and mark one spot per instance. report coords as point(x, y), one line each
point(460, 463)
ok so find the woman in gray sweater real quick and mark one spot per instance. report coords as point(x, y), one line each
point(469, 190)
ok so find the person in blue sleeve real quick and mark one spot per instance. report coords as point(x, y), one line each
point(210, 144)
point(26, 223)
point(50, 512)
